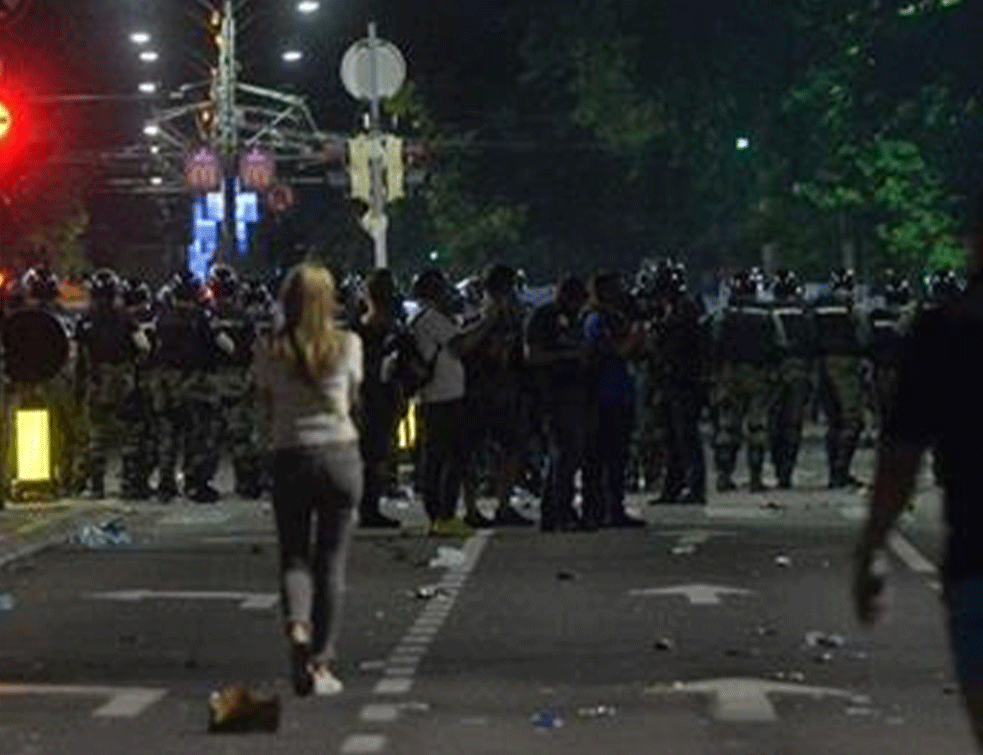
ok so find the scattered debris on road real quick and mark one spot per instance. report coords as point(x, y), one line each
point(447, 558)
point(683, 550)
point(565, 575)
point(430, 592)
point(816, 639)
point(547, 719)
point(665, 643)
point(109, 535)
point(950, 689)
point(783, 561)
point(765, 631)
point(598, 711)
point(237, 710)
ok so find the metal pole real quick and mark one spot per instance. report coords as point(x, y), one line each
point(378, 219)
point(227, 127)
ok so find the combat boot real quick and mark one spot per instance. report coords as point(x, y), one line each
point(203, 494)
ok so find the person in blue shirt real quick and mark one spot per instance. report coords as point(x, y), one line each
point(612, 342)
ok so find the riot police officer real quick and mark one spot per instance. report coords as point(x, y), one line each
point(140, 427)
point(682, 351)
point(182, 395)
point(888, 323)
point(795, 380)
point(233, 340)
point(746, 351)
point(843, 337)
point(103, 372)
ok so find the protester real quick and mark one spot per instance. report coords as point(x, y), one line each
point(310, 377)
point(442, 343)
point(556, 355)
point(612, 341)
point(494, 402)
point(382, 403)
point(936, 406)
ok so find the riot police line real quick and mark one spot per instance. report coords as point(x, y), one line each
point(165, 378)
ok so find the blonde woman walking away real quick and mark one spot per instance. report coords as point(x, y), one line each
point(309, 373)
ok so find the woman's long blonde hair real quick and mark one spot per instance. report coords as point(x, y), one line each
point(310, 331)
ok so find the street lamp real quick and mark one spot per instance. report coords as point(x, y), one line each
point(149, 56)
point(156, 181)
point(743, 143)
point(292, 56)
point(151, 129)
point(148, 87)
point(140, 38)
point(308, 6)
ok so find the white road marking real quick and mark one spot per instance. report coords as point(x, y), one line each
point(746, 700)
point(393, 686)
point(697, 595)
point(909, 554)
point(360, 744)
point(124, 702)
point(402, 665)
point(399, 672)
point(248, 601)
point(405, 659)
point(379, 713)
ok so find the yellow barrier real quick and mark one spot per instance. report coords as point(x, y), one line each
point(407, 429)
point(33, 439)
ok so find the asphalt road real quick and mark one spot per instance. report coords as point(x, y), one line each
point(692, 636)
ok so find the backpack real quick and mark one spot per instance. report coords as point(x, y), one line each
point(410, 370)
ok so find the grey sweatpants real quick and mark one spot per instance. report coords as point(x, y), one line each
point(315, 495)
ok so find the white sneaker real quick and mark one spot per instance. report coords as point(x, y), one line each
point(326, 684)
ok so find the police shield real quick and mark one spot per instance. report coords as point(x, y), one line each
point(35, 345)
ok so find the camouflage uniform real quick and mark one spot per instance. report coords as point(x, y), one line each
point(182, 398)
point(106, 380)
point(140, 426)
point(745, 339)
point(794, 387)
point(233, 411)
point(842, 338)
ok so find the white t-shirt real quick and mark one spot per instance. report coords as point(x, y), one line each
point(307, 417)
point(433, 331)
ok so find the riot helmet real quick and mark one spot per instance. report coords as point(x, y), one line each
point(104, 286)
point(223, 282)
point(897, 292)
point(185, 288)
point(137, 295)
point(40, 284)
point(785, 285)
point(842, 280)
point(943, 286)
point(744, 286)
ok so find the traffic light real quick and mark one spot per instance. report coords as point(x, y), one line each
point(359, 169)
point(392, 155)
point(20, 149)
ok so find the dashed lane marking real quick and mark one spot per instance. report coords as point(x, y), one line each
point(401, 666)
point(363, 743)
point(124, 702)
point(393, 687)
point(910, 555)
